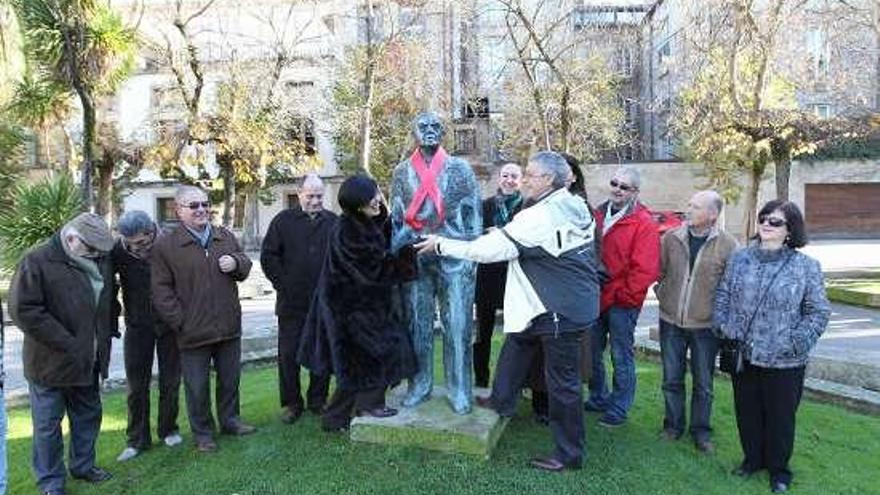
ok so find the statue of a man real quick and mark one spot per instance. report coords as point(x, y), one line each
point(434, 193)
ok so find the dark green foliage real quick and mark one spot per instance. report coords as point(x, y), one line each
point(38, 211)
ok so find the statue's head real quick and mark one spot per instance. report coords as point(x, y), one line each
point(427, 129)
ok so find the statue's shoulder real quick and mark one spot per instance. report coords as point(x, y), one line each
point(401, 166)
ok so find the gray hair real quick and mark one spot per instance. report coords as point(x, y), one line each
point(186, 190)
point(554, 164)
point(135, 222)
point(312, 180)
point(715, 200)
point(632, 174)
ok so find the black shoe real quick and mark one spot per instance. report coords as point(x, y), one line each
point(93, 475)
point(778, 487)
point(239, 429)
point(742, 472)
point(379, 412)
point(591, 406)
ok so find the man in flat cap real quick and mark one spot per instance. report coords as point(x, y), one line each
point(60, 298)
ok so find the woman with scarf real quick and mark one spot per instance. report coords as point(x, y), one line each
point(350, 330)
point(489, 293)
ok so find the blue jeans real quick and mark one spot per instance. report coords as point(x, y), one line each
point(2, 442)
point(620, 324)
point(674, 344)
point(48, 406)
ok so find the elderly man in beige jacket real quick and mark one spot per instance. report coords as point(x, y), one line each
point(692, 261)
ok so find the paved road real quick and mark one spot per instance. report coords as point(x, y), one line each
point(853, 334)
point(258, 319)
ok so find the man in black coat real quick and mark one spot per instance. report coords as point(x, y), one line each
point(292, 256)
point(145, 335)
point(489, 294)
point(61, 299)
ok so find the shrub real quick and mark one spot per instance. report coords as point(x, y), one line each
point(38, 211)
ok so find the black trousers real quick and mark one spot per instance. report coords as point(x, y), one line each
point(562, 377)
point(345, 401)
point(766, 401)
point(486, 313)
point(140, 345)
point(196, 365)
point(289, 336)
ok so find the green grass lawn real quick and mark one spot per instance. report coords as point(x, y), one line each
point(837, 451)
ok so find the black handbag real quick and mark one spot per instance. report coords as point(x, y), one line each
point(732, 352)
point(731, 356)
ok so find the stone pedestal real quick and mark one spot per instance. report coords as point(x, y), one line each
point(432, 425)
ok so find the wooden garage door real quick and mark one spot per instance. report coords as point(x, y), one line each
point(843, 210)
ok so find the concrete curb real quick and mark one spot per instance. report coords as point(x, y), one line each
point(856, 398)
point(852, 296)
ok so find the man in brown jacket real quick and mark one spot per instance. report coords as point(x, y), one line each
point(60, 298)
point(194, 271)
point(692, 261)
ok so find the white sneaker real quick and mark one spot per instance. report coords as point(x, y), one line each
point(173, 440)
point(128, 453)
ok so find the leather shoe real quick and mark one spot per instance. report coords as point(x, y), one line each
point(206, 446)
point(93, 475)
point(741, 471)
point(778, 487)
point(484, 402)
point(290, 416)
point(705, 446)
point(239, 429)
point(550, 464)
point(379, 412)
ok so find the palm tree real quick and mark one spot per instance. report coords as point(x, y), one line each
point(82, 45)
point(39, 103)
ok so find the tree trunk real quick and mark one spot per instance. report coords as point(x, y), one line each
point(750, 209)
point(565, 119)
point(782, 160)
point(88, 141)
point(366, 127)
point(251, 235)
point(103, 205)
point(228, 173)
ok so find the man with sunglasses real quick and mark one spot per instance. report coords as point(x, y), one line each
point(145, 335)
point(631, 254)
point(61, 299)
point(194, 270)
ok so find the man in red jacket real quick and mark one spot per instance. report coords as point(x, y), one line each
point(631, 254)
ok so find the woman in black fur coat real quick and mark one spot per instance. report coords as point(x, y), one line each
point(350, 330)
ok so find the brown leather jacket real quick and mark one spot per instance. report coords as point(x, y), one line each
point(189, 291)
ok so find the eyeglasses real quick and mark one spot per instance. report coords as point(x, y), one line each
point(771, 221)
point(529, 175)
point(196, 204)
point(622, 186)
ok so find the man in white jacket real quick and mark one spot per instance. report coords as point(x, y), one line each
point(551, 298)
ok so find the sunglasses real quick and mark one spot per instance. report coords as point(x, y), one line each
point(621, 186)
point(771, 221)
point(196, 204)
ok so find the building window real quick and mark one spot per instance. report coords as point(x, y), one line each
point(292, 200)
point(298, 85)
point(664, 53)
point(465, 140)
point(166, 213)
point(623, 61)
point(303, 130)
point(819, 51)
point(476, 108)
point(411, 22)
point(822, 110)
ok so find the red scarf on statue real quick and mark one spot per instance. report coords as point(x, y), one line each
point(428, 187)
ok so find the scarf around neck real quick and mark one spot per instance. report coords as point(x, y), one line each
point(505, 206)
point(428, 187)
